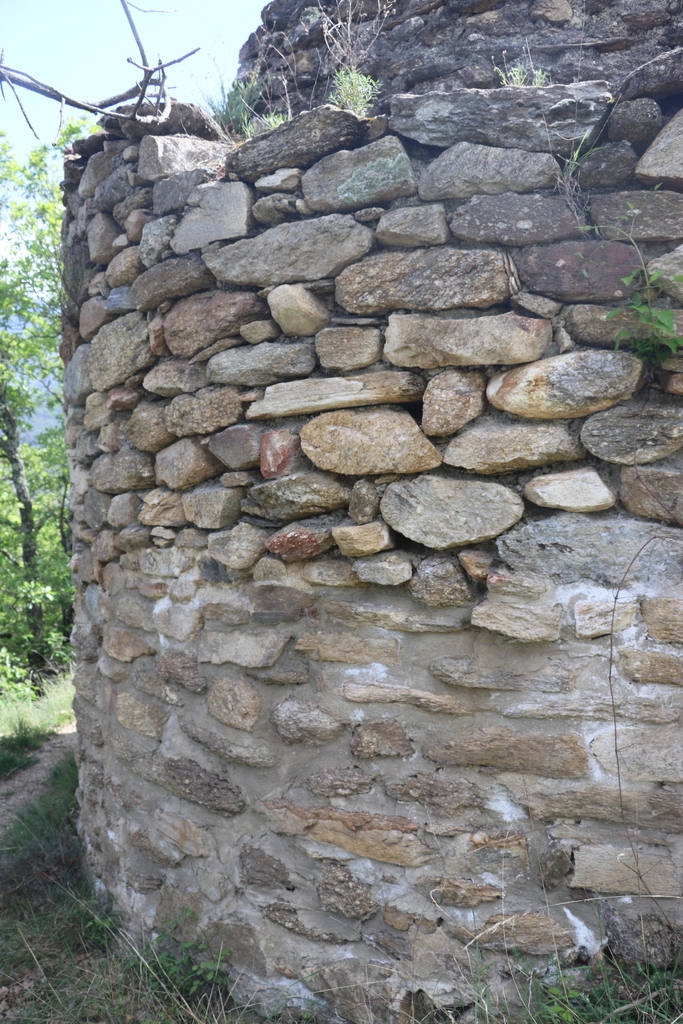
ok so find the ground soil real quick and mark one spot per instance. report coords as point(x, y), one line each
point(27, 783)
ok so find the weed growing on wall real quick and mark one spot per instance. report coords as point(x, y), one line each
point(521, 72)
point(353, 91)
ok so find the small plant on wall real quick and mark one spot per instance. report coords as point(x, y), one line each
point(653, 338)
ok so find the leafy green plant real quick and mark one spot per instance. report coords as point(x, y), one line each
point(354, 91)
point(234, 107)
point(653, 338)
point(188, 966)
point(15, 748)
point(521, 73)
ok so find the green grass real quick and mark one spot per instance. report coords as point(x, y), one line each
point(25, 724)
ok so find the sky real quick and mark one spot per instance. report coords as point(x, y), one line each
point(81, 46)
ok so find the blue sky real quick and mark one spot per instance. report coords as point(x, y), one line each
point(81, 46)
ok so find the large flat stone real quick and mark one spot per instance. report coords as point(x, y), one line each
point(297, 496)
point(589, 325)
point(574, 384)
point(297, 143)
point(161, 156)
point(248, 649)
point(511, 219)
point(413, 225)
point(426, 279)
point(303, 251)
point(256, 365)
point(207, 410)
point(443, 513)
point(653, 493)
point(642, 216)
point(128, 470)
point(577, 490)
point(220, 210)
point(648, 432)
point(348, 348)
point(662, 162)
point(559, 756)
point(495, 446)
point(174, 377)
point(467, 169)
point(172, 279)
point(370, 441)
point(197, 322)
point(317, 395)
point(646, 753)
point(579, 271)
point(534, 118)
point(528, 621)
point(119, 350)
point(350, 179)
point(427, 341)
point(569, 547)
point(614, 870)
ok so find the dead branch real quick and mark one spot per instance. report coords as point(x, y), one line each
point(129, 16)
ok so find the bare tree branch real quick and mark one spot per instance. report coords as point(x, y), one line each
point(129, 16)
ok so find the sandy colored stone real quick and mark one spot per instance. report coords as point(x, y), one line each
point(299, 312)
point(147, 429)
point(96, 411)
point(203, 412)
point(164, 562)
point(356, 541)
point(123, 510)
point(585, 271)
point(119, 350)
point(198, 321)
point(436, 791)
point(574, 384)
point(647, 753)
point(429, 342)
point(348, 348)
point(558, 756)
point(171, 279)
point(647, 666)
point(534, 934)
point(577, 490)
point(190, 781)
point(650, 432)
point(455, 892)
point(330, 573)
point(285, 179)
point(127, 644)
point(425, 279)
point(659, 807)
point(663, 615)
point(301, 721)
point(178, 621)
point(511, 219)
point(294, 398)
point(652, 492)
point(348, 648)
point(615, 870)
point(235, 703)
point(386, 738)
point(355, 443)
point(257, 331)
point(191, 838)
point(248, 649)
point(467, 169)
point(339, 782)
point(296, 496)
point(220, 210)
point(350, 179)
point(409, 619)
point(445, 513)
point(661, 163)
point(413, 225)
point(161, 507)
point(555, 12)
point(123, 471)
point(185, 463)
point(174, 377)
point(211, 507)
point(256, 365)
point(600, 618)
point(451, 400)
point(369, 693)
point(302, 251)
point(125, 267)
point(529, 621)
point(387, 570)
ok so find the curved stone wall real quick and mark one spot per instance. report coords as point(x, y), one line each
point(353, 491)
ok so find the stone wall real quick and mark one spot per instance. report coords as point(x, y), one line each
point(353, 491)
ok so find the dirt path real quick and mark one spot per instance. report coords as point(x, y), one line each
point(26, 784)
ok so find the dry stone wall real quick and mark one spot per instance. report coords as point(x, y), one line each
point(357, 473)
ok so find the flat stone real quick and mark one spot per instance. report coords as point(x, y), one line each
point(437, 792)
point(188, 780)
point(348, 648)
point(301, 540)
point(239, 548)
point(125, 267)
point(220, 211)
point(339, 782)
point(614, 870)
point(207, 410)
point(119, 350)
point(249, 650)
point(285, 179)
point(403, 617)
point(492, 446)
point(600, 618)
point(235, 703)
point(188, 836)
point(318, 394)
point(162, 507)
point(558, 756)
point(171, 194)
point(428, 342)
point(303, 251)
point(413, 225)
point(455, 892)
point(327, 572)
point(147, 429)
point(348, 348)
point(307, 137)
point(646, 753)
point(298, 311)
point(102, 231)
point(511, 219)
point(467, 170)
point(535, 119)
point(261, 364)
point(175, 377)
point(649, 432)
point(579, 271)
point(574, 384)
point(529, 621)
point(123, 471)
point(539, 304)
point(93, 315)
point(642, 216)
point(155, 239)
point(357, 541)
point(370, 693)
point(662, 615)
point(653, 493)
point(195, 323)
point(127, 644)
point(577, 490)
point(443, 513)
point(163, 155)
point(608, 166)
point(386, 570)
point(661, 163)
point(536, 934)
point(589, 325)
point(356, 443)
point(172, 279)
point(260, 330)
point(570, 547)
point(121, 300)
point(301, 721)
point(426, 279)
point(296, 496)
point(77, 381)
point(644, 666)
point(212, 508)
point(381, 739)
point(271, 603)
point(238, 447)
point(439, 582)
point(451, 400)
point(185, 463)
point(351, 179)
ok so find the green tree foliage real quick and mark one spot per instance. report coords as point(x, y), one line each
point(35, 588)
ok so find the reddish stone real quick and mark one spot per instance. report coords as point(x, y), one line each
point(299, 541)
point(157, 338)
point(579, 271)
point(280, 450)
point(122, 399)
